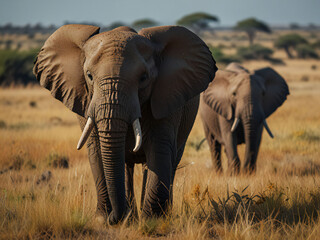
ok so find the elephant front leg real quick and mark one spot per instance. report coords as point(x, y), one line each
point(160, 154)
point(129, 168)
point(252, 148)
point(215, 150)
point(232, 154)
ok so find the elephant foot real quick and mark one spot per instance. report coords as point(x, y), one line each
point(249, 171)
point(128, 217)
point(234, 167)
point(218, 169)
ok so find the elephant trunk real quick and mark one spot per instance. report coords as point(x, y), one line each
point(111, 112)
point(112, 146)
point(252, 119)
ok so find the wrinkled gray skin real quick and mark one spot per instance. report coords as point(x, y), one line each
point(119, 76)
point(250, 97)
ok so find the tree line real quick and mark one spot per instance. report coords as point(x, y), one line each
point(16, 66)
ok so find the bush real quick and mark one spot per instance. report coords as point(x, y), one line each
point(289, 41)
point(255, 52)
point(220, 57)
point(56, 160)
point(316, 44)
point(16, 67)
point(306, 51)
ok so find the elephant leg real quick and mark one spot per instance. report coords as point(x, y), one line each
point(129, 168)
point(174, 168)
point(93, 146)
point(232, 154)
point(160, 152)
point(252, 150)
point(215, 150)
point(144, 183)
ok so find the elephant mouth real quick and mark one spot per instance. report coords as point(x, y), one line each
point(90, 125)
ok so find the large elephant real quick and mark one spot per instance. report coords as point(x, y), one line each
point(238, 96)
point(111, 80)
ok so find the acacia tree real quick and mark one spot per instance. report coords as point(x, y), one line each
point(251, 26)
point(288, 42)
point(144, 23)
point(197, 21)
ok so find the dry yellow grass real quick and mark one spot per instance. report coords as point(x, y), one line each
point(281, 201)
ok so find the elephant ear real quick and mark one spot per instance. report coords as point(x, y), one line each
point(185, 67)
point(59, 66)
point(276, 90)
point(217, 95)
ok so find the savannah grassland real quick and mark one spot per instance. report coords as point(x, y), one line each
point(281, 201)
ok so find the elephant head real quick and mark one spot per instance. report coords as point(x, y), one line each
point(107, 77)
point(240, 96)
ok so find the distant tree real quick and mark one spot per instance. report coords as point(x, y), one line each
point(255, 51)
point(251, 26)
point(294, 26)
point(316, 44)
point(306, 51)
point(144, 23)
point(197, 21)
point(288, 42)
point(312, 26)
point(8, 44)
point(16, 67)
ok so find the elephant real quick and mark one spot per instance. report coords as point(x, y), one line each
point(234, 109)
point(136, 96)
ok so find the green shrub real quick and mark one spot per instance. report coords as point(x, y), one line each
point(306, 51)
point(316, 44)
point(254, 52)
point(288, 42)
point(16, 67)
point(56, 160)
point(3, 124)
point(220, 57)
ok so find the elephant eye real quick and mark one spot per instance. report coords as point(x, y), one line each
point(89, 76)
point(143, 78)
point(234, 94)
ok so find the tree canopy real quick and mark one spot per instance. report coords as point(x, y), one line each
point(198, 19)
point(251, 26)
point(291, 40)
point(144, 23)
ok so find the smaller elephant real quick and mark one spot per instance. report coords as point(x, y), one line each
point(238, 96)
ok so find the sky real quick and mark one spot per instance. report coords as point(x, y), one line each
point(166, 12)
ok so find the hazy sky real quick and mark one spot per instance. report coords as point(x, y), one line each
point(274, 12)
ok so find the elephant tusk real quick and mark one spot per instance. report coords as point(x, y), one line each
point(235, 124)
point(86, 132)
point(137, 133)
point(267, 128)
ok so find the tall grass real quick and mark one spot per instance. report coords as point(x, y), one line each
point(282, 200)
